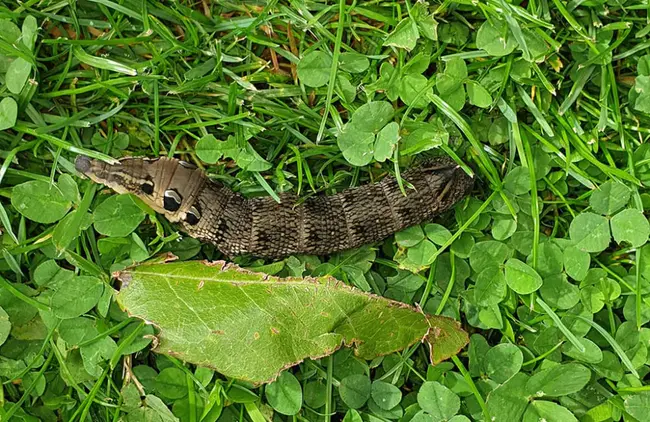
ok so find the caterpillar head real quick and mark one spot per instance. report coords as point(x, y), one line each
point(451, 181)
point(167, 185)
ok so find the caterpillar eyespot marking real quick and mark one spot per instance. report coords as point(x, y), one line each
point(172, 200)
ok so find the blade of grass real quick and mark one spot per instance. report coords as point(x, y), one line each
point(535, 111)
point(333, 70)
point(556, 320)
point(617, 348)
point(102, 63)
point(581, 79)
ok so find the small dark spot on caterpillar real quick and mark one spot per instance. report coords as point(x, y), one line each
point(193, 216)
point(147, 187)
point(172, 200)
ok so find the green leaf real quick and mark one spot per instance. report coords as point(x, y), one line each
point(314, 69)
point(455, 33)
point(355, 390)
point(490, 286)
point(29, 32)
point(630, 226)
point(5, 326)
point(643, 66)
point(404, 35)
point(357, 146)
point(592, 353)
point(315, 394)
point(498, 132)
point(592, 298)
point(352, 416)
point(637, 404)
point(549, 260)
point(8, 113)
point(9, 31)
point(423, 137)
point(457, 69)
point(353, 62)
point(40, 201)
point(495, 40)
point(412, 90)
point(372, 116)
point(69, 228)
point(248, 159)
point(576, 262)
point(76, 296)
point(559, 380)
point(387, 138)
point(447, 84)
point(541, 410)
point(241, 394)
point(522, 278)
point(438, 400)
point(118, 216)
point(559, 293)
point(610, 197)
point(69, 188)
point(170, 383)
point(95, 353)
point(537, 47)
point(357, 140)
point(590, 232)
point(76, 330)
point(437, 233)
point(426, 23)
point(517, 181)
point(17, 75)
point(478, 96)
point(410, 236)
point(285, 394)
point(49, 274)
point(208, 149)
point(642, 90)
point(422, 254)
point(209, 293)
point(349, 91)
point(503, 361)
point(503, 226)
point(488, 253)
point(507, 403)
point(385, 395)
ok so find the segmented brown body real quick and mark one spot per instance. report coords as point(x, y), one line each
point(320, 225)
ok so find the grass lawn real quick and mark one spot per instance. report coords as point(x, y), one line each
point(546, 264)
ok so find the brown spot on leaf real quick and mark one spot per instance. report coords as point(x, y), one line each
point(219, 332)
point(201, 284)
point(256, 336)
point(123, 278)
point(169, 257)
point(275, 330)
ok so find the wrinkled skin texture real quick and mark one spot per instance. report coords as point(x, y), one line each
point(320, 225)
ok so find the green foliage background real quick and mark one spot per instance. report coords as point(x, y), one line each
point(546, 265)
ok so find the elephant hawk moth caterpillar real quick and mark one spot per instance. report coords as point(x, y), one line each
point(320, 225)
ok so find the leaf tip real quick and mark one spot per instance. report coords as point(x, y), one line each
point(445, 338)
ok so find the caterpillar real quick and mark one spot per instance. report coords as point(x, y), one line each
point(320, 225)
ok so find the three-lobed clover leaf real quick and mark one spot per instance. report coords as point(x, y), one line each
point(365, 129)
